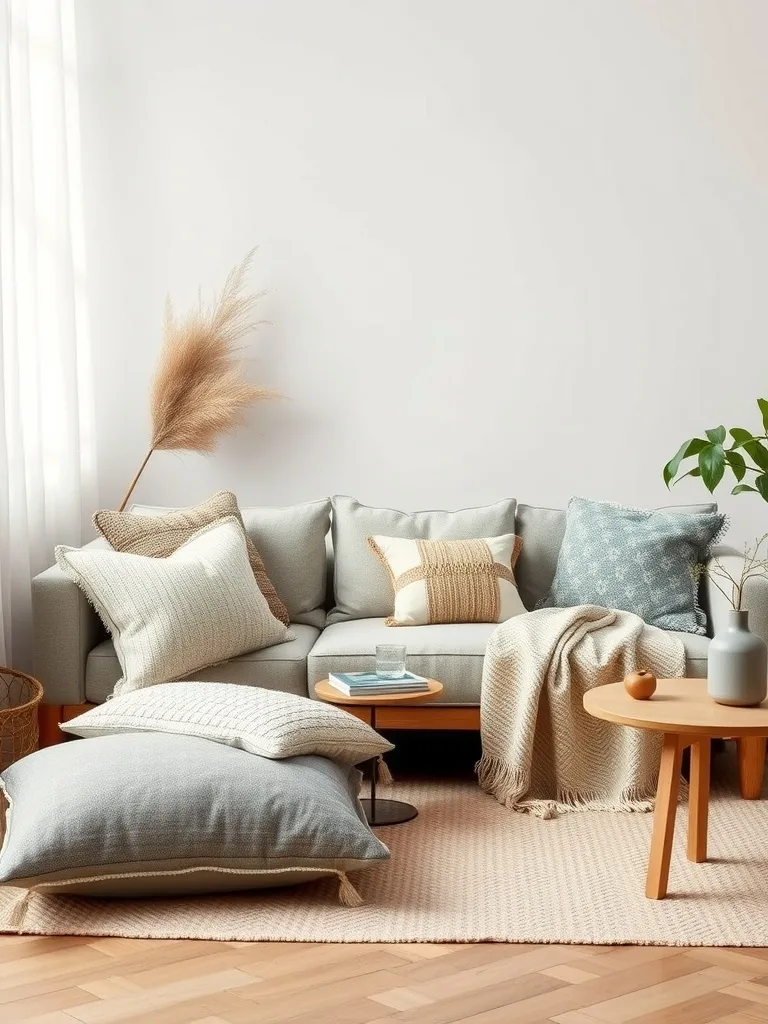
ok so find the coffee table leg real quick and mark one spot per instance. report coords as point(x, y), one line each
point(698, 807)
point(664, 817)
point(384, 812)
point(751, 766)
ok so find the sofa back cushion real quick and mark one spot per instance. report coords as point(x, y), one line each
point(541, 531)
point(291, 542)
point(363, 588)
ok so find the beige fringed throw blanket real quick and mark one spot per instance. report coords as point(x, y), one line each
point(541, 751)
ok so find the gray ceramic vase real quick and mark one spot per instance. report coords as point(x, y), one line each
point(737, 672)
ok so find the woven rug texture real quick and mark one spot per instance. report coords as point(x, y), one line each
point(468, 869)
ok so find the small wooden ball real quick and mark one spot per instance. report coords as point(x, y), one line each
point(641, 684)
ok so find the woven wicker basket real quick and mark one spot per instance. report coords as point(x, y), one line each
point(20, 696)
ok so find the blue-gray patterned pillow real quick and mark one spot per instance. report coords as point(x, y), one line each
point(637, 560)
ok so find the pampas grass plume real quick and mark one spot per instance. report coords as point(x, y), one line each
point(198, 392)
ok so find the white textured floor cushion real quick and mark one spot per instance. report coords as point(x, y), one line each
point(149, 813)
point(264, 722)
point(170, 616)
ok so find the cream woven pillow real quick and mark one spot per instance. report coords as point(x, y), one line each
point(162, 533)
point(451, 580)
point(265, 722)
point(170, 616)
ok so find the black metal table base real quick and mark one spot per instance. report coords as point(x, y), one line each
point(384, 812)
point(388, 812)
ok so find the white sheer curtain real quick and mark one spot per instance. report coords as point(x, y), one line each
point(47, 457)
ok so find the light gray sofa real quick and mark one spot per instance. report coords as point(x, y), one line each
point(76, 662)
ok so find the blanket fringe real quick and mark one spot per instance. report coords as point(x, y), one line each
point(509, 786)
point(348, 894)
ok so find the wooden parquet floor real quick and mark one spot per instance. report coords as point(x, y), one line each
point(98, 981)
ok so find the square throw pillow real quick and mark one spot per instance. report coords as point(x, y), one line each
point(265, 722)
point(541, 531)
point(160, 535)
point(361, 583)
point(148, 814)
point(291, 541)
point(171, 616)
point(451, 580)
point(637, 560)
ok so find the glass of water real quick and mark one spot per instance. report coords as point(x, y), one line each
point(390, 661)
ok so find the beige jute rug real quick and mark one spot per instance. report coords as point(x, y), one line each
point(468, 869)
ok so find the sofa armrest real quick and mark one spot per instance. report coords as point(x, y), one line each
point(755, 598)
point(65, 630)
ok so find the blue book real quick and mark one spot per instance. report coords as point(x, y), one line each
point(369, 683)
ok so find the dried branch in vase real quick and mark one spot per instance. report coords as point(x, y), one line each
point(752, 567)
point(199, 392)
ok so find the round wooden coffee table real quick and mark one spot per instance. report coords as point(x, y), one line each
point(380, 812)
point(688, 717)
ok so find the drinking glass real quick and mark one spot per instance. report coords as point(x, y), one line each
point(390, 661)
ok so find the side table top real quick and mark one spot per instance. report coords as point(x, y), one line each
point(325, 691)
point(678, 706)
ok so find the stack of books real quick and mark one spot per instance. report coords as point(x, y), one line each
point(369, 684)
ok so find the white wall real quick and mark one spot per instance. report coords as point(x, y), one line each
point(516, 246)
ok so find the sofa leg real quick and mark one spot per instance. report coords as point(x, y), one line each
point(751, 766)
point(48, 718)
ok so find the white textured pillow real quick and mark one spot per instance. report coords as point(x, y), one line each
point(171, 616)
point(265, 722)
point(439, 581)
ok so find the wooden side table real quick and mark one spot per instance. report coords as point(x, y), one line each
point(688, 717)
point(379, 812)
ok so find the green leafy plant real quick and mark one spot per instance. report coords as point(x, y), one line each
point(748, 453)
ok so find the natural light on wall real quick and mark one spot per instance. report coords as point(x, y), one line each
point(47, 456)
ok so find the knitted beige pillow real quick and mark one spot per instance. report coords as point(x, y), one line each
point(170, 616)
point(158, 536)
point(451, 580)
point(265, 722)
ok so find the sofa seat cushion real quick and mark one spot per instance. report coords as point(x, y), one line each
point(452, 654)
point(280, 667)
point(696, 648)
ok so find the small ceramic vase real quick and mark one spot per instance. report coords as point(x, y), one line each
point(737, 672)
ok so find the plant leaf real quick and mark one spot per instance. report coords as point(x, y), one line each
point(763, 404)
point(712, 465)
point(758, 453)
point(717, 435)
point(740, 435)
point(761, 483)
point(740, 488)
point(692, 447)
point(737, 464)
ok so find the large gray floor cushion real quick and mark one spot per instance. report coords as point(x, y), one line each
point(148, 813)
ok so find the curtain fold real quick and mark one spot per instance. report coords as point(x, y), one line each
point(47, 450)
